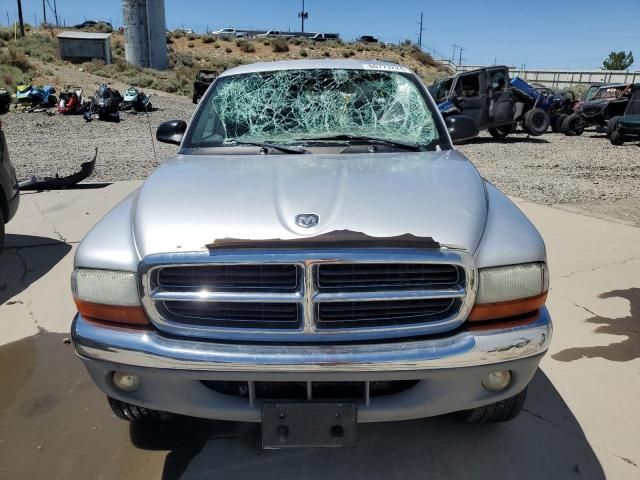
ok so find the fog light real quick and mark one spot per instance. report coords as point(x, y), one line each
point(497, 381)
point(127, 382)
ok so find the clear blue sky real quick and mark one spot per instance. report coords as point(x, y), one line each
point(538, 33)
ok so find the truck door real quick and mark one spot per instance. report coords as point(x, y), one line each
point(470, 98)
point(501, 99)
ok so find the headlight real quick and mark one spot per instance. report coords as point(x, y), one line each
point(510, 290)
point(108, 295)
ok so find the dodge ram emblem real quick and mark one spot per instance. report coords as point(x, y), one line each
point(307, 220)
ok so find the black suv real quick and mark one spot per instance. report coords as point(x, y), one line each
point(9, 194)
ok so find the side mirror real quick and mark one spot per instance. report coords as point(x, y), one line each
point(461, 128)
point(171, 131)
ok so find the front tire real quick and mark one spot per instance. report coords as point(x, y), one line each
point(611, 125)
point(616, 138)
point(502, 132)
point(136, 414)
point(502, 411)
point(573, 125)
point(536, 122)
point(558, 123)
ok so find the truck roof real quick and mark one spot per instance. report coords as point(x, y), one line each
point(328, 63)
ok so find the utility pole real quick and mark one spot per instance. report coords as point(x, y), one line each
point(55, 13)
point(303, 15)
point(44, 10)
point(422, 29)
point(20, 18)
point(453, 56)
point(460, 58)
point(35, 20)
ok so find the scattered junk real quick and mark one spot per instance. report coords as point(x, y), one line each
point(35, 99)
point(135, 99)
point(85, 46)
point(22, 94)
point(204, 78)
point(58, 182)
point(72, 101)
point(105, 103)
point(627, 126)
point(609, 101)
point(5, 101)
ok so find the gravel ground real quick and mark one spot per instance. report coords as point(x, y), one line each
point(585, 173)
point(42, 144)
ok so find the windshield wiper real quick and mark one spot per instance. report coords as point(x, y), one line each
point(362, 138)
point(267, 145)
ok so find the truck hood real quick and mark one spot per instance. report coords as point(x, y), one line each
point(192, 200)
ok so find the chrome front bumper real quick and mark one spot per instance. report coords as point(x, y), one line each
point(468, 348)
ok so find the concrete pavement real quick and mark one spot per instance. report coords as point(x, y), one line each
point(581, 420)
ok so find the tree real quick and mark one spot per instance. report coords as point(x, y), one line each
point(618, 61)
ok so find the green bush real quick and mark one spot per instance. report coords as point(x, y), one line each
point(279, 45)
point(303, 53)
point(191, 37)
point(190, 45)
point(177, 33)
point(216, 45)
point(208, 39)
point(245, 46)
point(228, 49)
point(327, 53)
point(422, 57)
point(348, 53)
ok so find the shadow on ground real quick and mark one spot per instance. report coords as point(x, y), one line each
point(54, 423)
point(629, 326)
point(546, 441)
point(25, 259)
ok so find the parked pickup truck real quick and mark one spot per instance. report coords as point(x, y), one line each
point(275, 34)
point(336, 259)
point(228, 33)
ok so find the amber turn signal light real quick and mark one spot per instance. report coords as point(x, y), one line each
point(512, 308)
point(112, 313)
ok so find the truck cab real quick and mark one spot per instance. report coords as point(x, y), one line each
point(484, 94)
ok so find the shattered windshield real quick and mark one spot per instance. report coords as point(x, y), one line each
point(289, 106)
point(440, 89)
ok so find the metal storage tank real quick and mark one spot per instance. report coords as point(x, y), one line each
point(145, 33)
point(84, 46)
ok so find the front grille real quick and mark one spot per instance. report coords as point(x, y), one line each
point(235, 314)
point(230, 277)
point(381, 313)
point(308, 296)
point(347, 390)
point(387, 275)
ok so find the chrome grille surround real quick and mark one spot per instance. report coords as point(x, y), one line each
point(308, 295)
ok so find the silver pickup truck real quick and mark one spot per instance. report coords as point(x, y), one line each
point(316, 255)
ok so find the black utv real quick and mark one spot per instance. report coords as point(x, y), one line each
point(204, 78)
point(609, 101)
point(626, 127)
point(487, 96)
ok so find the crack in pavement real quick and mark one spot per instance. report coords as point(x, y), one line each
point(579, 435)
point(25, 284)
point(598, 267)
point(46, 218)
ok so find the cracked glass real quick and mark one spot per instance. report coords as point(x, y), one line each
point(288, 106)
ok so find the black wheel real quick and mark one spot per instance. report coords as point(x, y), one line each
point(502, 132)
point(4, 107)
point(558, 122)
point(135, 414)
point(616, 137)
point(501, 411)
point(195, 99)
point(611, 125)
point(573, 125)
point(536, 122)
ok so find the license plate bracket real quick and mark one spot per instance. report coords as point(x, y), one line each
point(309, 424)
